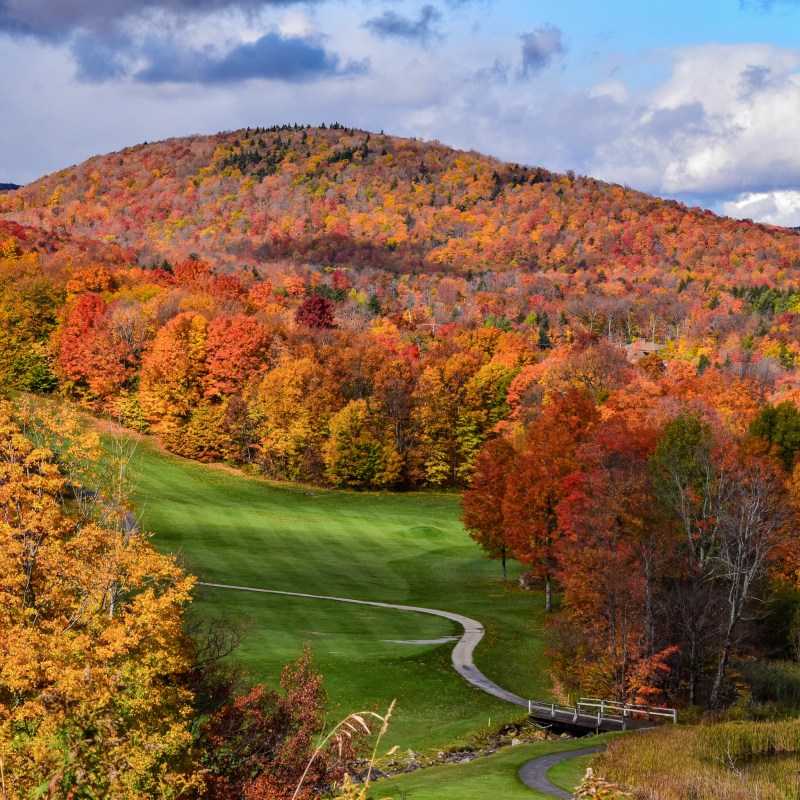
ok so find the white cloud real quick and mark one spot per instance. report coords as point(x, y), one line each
point(297, 23)
point(613, 88)
point(775, 208)
point(714, 124)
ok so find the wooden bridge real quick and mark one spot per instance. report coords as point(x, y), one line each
point(595, 714)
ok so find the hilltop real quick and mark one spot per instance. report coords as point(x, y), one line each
point(337, 196)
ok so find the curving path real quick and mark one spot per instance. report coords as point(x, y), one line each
point(462, 652)
point(533, 773)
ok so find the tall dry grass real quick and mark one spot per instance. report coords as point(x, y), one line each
point(724, 761)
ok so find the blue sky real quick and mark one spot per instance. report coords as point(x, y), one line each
point(695, 100)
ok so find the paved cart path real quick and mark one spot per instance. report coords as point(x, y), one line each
point(462, 652)
point(533, 773)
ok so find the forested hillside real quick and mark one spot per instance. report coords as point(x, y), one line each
point(329, 304)
point(615, 377)
point(337, 196)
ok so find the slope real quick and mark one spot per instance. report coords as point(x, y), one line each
point(394, 548)
point(341, 196)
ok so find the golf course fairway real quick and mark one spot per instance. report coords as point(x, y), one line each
point(409, 548)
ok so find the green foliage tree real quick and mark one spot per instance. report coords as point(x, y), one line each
point(358, 454)
point(780, 426)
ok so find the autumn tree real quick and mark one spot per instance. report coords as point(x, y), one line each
point(613, 555)
point(315, 311)
point(482, 500)
point(535, 486)
point(290, 407)
point(358, 454)
point(449, 435)
point(260, 744)
point(77, 331)
point(173, 375)
point(393, 394)
point(29, 309)
point(236, 351)
point(92, 643)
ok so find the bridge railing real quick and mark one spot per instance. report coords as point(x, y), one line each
point(615, 708)
point(595, 711)
point(579, 715)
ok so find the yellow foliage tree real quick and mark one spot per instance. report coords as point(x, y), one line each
point(173, 375)
point(91, 642)
point(290, 407)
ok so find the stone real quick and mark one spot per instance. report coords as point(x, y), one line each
point(515, 742)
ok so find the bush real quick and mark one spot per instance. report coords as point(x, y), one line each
point(773, 682)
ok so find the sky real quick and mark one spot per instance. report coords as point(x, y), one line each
point(693, 99)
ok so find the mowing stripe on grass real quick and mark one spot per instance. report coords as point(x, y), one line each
point(462, 652)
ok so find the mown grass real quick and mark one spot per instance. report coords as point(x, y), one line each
point(495, 776)
point(724, 761)
point(568, 774)
point(398, 548)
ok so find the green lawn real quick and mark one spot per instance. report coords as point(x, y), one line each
point(402, 548)
point(568, 774)
point(491, 777)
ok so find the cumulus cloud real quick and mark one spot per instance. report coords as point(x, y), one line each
point(539, 47)
point(391, 24)
point(57, 20)
point(272, 56)
point(177, 41)
point(775, 208)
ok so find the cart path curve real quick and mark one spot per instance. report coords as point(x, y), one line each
point(462, 652)
point(533, 773)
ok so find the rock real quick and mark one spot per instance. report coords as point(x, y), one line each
point(464, 760)
point(515, 742)
point(373, 773)
point(565, 736)
point(411, 754)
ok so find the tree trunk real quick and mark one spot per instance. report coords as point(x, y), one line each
point(692, 671)
point(716, 689)
point(548, 593)
point(503, 562)
point(649, 613)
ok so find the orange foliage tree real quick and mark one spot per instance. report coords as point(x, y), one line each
point(91, 702)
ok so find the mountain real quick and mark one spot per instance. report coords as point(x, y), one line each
point(8, 187)
point(336, 196)
point(270, 296)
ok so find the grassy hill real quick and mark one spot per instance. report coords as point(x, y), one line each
point(403, 548)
